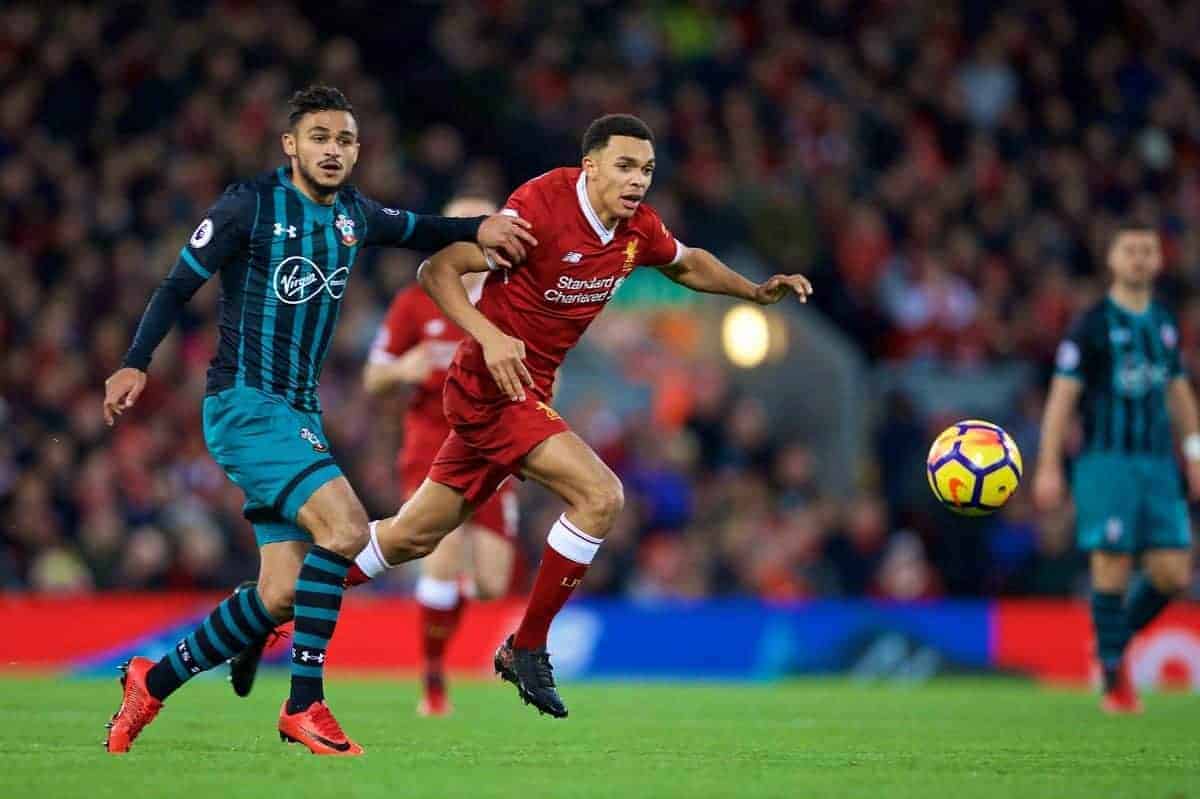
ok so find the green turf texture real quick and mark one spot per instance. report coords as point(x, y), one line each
point(956, 738)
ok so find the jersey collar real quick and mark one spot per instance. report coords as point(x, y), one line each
point(606, 234)
point(285, 177)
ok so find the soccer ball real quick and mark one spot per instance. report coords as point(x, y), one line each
point(973, 467)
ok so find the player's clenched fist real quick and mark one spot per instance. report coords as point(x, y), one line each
point(507, 238)
point(505, 359)
point(121, 391)
point(776, 288)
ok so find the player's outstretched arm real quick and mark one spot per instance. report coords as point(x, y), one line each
point(507, 235)
point(441, 277)
point(1049, 485)
point(1181, 404)
point(216, 240)
point(700, 270)
point(123, 388)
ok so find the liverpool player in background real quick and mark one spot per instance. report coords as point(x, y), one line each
point(414, 347)
point(594, 228)
point(284, 245)
point(1122, 360)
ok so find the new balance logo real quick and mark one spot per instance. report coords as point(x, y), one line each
point(290, 230)
point(571, 582)
point(572, 257)
point(314, 657)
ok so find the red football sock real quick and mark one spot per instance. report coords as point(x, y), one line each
point(355, 576)
point(437, 628)
point(565, 559)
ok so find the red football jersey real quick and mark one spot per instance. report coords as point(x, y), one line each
point(412, 319)
point(550, 299)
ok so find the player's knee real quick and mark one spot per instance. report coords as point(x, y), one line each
point(279, 598)
point(490, 586)
point(604, 503)
point(1172, 581)
point(347, 539)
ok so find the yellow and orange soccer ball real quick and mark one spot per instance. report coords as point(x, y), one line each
point(974, 467)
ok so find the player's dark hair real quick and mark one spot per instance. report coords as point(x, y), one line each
point(1134, 225)
point(601, 130)
point(316, 98)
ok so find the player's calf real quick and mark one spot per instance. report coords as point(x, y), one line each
point(432, 512)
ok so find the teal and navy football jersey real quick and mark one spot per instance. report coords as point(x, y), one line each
point(1125, 361)
point(283, 262)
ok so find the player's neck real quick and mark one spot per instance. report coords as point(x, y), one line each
point(607, 218)
point(1134, 299)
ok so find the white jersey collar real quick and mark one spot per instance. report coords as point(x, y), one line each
point(606, 234)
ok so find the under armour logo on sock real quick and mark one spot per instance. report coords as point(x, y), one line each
point(305, 656)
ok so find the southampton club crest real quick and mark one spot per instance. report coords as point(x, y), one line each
point(345, 226)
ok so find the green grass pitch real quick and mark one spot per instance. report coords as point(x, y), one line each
point(956, 738)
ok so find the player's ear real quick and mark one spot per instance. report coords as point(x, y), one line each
point(589, 165)
point(288, 140)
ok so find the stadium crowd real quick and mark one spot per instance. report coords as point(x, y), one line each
point(948, 176)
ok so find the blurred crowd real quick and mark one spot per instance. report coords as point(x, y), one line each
point(948, 173)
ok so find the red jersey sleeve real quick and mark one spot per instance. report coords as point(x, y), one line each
point(663, 248)
point(400, 330)
point(529, 202)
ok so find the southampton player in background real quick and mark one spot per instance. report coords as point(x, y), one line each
point(284, 245)
point(1122, 361)
point(594, 229)
point(414, 348)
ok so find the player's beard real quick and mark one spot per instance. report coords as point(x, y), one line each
point(320, 185)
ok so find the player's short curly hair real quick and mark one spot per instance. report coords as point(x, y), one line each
point(316, 98)
point(598, 133)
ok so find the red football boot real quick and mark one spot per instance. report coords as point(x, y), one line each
point(317, 729)
point(138, 707)
point(1121, 698)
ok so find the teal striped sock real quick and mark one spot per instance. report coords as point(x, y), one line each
point(318, 601)
point(236, 622)
point(1112, 632)
point(1145, 603)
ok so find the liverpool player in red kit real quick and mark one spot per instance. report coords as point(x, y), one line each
point(593, 229)
point(414, 348)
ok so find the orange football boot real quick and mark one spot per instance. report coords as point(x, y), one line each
point(138, 707)
point(317, 729)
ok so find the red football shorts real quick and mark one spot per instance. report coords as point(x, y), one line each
point(489, 437)
point(498, 515)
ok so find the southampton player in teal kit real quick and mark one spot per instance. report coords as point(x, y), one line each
point(1121, 364)
point(283, 245)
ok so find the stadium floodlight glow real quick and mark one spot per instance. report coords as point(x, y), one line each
point(745, 336)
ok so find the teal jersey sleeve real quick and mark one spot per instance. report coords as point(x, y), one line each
point(1168, 332)
point(1075, 350)
point(221, 235)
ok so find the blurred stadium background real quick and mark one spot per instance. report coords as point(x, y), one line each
point(947, 174)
